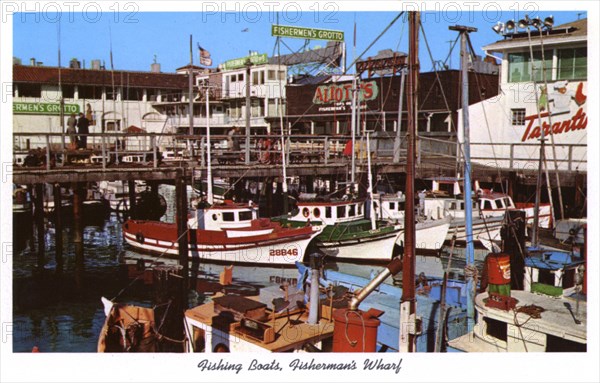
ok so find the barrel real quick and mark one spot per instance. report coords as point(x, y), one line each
point(498, 266)
point(354, 331)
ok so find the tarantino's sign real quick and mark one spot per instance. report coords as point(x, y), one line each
point(341, 93)
point(43, 108)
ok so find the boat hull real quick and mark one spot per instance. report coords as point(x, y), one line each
point(282, 247)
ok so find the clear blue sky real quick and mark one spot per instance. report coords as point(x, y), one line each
point(138, 35)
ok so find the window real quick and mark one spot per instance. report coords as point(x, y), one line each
point(30, 90)
point(234, 78)
point(240, 77)
point(133, 94)
point(352, 211)
point(328, 211)
point(228, 217)
point(245, 215)
point(281, 75)
point(271, 74)
point(341, 211)
point(258, 77)
point(572, 64)
point(518, 116)
point(487, 205)
point(68, 91)
point(520, 69)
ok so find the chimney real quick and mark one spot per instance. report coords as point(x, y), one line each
point(155, 67)
point(96, 64)
point(32, 61)
point(74, 64)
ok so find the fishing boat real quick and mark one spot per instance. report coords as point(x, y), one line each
point(486, 229)
point(228, 232)
point(549, 315)
point(127, 328)
point(348, 233)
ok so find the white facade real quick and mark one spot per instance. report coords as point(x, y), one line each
point(505, 130)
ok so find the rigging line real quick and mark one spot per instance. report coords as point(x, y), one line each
point(437, 76)
point(451, 49)
point(488, 126)
point(374, 41)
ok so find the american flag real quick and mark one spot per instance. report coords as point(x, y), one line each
point(204, 56)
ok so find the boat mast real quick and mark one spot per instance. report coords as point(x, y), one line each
point(370, 190)
point(470, 250)
point(408, 300)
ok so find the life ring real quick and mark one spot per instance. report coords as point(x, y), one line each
point(140, 237)
point(305, 212)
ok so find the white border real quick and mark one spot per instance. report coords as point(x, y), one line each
point(418, 367)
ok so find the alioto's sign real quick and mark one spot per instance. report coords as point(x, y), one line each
point(44, 108)
point(336, 93)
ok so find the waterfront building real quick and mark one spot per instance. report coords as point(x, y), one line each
point(510, 120)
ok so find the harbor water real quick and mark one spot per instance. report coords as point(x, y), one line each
point(60, 310)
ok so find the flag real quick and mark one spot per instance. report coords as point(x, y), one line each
point(204, 56)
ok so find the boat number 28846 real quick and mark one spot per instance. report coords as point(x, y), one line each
point(283, 252)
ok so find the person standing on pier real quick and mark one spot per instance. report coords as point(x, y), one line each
point(83, 129)
point(72, 132)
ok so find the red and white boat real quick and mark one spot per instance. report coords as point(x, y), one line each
point(227, 232)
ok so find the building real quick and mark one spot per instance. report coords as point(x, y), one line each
point(511, 122)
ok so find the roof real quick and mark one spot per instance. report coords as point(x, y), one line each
point(574, 30)
point(49, 75)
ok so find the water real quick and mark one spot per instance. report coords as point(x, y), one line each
point(62, 312)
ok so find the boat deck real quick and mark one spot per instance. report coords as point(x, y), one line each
point(561, 318)
point(291, 331)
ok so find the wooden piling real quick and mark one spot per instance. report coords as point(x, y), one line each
point(39, 223)
point(181, 218)
point(132, 198)
point(170, 299)
point(78, 197)
point(58, 238)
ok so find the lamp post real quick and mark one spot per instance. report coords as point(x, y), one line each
point(507, 29)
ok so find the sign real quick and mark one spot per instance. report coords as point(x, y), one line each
point(306, 33)
point(336, 93)
point(241, 62)
point(562, 99)
point(44, 108)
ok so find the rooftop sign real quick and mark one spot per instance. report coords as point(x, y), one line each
point(241, 62)
point(306, 33)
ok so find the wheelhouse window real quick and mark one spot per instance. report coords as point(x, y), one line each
point(245, 215)
point(572, 64)
point(341, 211)
point(228, 217)
point(328, 212)
point(518, 117)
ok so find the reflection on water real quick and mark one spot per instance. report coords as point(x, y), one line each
point(61, 312)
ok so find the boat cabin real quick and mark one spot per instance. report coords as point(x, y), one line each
point(226, 215)
point(494, 204)
point(552, 272)
point(389, 206)
point(329, 212)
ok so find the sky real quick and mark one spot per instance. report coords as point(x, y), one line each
point(136, 36)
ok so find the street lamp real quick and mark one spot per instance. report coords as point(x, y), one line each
point(526, 23)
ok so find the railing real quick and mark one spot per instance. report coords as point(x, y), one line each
point(53, 149)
